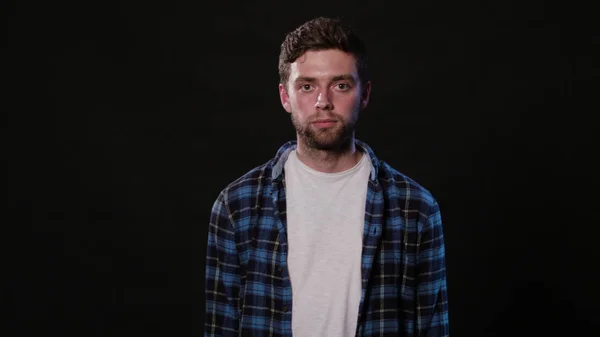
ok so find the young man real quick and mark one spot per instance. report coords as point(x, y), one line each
point(325, 239)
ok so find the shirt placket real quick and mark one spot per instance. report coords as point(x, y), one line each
point(371, 236)
point(279, 202)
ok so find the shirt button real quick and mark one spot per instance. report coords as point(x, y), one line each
point(280, 269)
point(285, 309)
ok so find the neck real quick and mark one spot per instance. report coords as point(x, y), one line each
point(328, 161)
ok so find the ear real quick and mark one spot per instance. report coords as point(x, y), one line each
point(285, 98)
point(366, 93)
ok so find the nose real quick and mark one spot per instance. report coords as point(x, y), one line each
point(323, 101)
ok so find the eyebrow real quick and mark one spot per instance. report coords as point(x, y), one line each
point(346, 77)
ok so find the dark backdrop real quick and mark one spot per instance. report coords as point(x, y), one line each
point(125, 121)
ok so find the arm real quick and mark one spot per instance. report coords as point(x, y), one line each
point(222, 282)
point(432, 296)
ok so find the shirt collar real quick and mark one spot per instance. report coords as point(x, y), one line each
point(284, 151)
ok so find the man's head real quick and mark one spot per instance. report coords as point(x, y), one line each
point(324, 82)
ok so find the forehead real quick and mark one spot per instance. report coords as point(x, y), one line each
point(323, 64)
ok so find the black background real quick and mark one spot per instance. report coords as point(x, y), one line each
point(126, 119)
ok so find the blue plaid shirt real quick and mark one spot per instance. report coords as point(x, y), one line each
point(248, 290)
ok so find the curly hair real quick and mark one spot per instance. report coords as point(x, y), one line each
point(322, 33)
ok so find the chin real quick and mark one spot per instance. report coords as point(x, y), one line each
point(329, 143)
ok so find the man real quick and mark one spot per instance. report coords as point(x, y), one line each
point(325, 239)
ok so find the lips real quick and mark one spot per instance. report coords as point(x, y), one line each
point(319, 121)
point(324, 123)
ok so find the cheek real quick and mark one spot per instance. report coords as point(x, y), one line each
point(302, 103)
point(346, 101)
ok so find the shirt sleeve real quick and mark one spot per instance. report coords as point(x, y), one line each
point(222, 280)
point(432, 295)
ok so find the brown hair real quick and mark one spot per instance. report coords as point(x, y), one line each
point(320, 34)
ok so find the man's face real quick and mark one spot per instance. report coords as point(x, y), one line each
point(324, 97)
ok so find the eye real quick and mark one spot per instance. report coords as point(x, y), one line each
point(343, 86)
point(305, 87)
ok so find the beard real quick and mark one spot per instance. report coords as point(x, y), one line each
point(337, 138)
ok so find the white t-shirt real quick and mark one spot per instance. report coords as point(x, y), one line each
point(325, 219)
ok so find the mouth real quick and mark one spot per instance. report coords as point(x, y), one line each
point(324, 123)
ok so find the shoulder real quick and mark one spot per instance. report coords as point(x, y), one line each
point(396, 184)
point(246, 191)
point(393, 179)
point(406, 191)
point(245, 188)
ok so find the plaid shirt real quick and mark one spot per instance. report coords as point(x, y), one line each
point(248, 289)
